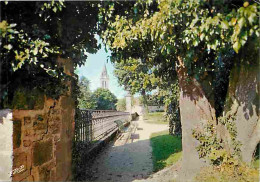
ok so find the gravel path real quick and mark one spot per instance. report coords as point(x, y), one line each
point(130, 161)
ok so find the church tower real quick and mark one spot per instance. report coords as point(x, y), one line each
point(104, 78)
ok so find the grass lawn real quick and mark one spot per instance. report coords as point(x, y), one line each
point(167, 149)
point(155, 118)
point(256, 164)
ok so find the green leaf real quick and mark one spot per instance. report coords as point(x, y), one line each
point(252, 18)
point(12, 25)
point(237, 46)
point(224, 24)
point(241, 22)
point(35, 51)
point(8, 47)
point(54, 9)
point(202, 36)
point(233, 21)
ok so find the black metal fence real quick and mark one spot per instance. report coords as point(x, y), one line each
point(93, 125)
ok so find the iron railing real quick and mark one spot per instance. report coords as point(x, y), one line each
point(93, 125)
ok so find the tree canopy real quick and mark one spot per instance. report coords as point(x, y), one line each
point(121, 105)
point(85, 99)
point(105, 100)
point(37, 34)
point(191, 33)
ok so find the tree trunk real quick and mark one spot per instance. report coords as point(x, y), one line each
point(244, 91)
point(196, 108)
point(145, 103)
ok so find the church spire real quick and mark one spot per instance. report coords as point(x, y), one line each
point(104, 72)
point(104, 78)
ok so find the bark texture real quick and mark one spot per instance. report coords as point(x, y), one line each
point(196, 108)
point(244, 92)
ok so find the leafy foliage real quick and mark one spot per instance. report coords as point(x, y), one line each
point(105, 100)
point(155, 99)
point(37, 34)
point(121, 105)
point(85, 99)
point(194, 32)
point(27, 51)
point(101, 99)
point(228, 173)
point(210, 146)
point(215, 148)
point(171, 101)
point(227, 165)
point(135, 75)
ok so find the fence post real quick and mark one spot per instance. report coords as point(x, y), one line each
point(90, 125)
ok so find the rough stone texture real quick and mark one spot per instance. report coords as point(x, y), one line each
point(64, 145)
point(17, 133)
point(244, 92)
point(6, 144)
point(20, 161)
point(43, 138)
point(42, 152)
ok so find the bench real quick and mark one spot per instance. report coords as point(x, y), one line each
point(120, 125)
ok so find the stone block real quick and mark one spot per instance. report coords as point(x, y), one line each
point(40, 123)
point(55, 127)
point(44, 174)
point(56, 138)
point(42, 152)
point(17, 133)
point(51, 164)
point(53, 175)
point(56, 111)
point(27, 133)
point(27, 143)
point(27, 120)
point(19, 160)
point(20, 166)
point(29, 178)
point(35, 173)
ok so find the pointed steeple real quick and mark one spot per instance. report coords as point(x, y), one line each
point(104, 78)
point(104, 72)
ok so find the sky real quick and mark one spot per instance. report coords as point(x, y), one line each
point(93, 68)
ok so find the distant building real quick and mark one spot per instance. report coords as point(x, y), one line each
point(104, 79)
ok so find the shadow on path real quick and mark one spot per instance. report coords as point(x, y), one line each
point(126, 162)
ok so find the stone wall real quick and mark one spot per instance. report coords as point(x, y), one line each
point(36, 142)
point(43, 140)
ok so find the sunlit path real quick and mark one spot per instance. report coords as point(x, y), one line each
point(130, 161)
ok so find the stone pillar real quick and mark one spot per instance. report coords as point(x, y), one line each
point(6, 144)
point(128, 102)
